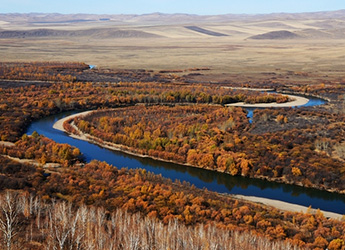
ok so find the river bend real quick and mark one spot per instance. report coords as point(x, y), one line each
point(214, 181)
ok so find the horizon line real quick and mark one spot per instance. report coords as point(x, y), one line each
point(166, 13)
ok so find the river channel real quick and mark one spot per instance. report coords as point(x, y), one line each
point(214, 181)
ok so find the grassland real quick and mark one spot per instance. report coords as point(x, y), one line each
point(314, 53)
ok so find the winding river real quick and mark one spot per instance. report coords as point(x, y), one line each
point(215, 181)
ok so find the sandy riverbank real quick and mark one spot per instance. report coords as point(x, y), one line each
point(268, 202)
point(297, 101)
point(59, 124)
point(89, 138)
point(281, 205)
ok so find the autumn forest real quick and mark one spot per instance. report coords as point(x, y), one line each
point(52, 198)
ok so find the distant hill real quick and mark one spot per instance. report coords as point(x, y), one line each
point(281, 34)
point(99, 33)
point(167, 18)
point(276, 26)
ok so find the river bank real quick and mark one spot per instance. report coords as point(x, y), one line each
point(281, 205)
point(59, 124)
point(89, 138)
point(269, 202)
point(296, 101)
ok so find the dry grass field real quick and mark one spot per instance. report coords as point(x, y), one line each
point(282, 47)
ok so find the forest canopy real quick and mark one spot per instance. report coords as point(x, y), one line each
point(220, 138)
point(162, 116)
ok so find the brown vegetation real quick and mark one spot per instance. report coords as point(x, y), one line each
point(289, 148)
point(40, 71)
point(104, 186)
point(21, 105)
point(36, 224)
point(42, 149)
point(217, 138)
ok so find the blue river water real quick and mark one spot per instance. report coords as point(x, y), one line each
point(214, 181)
point(313, 101)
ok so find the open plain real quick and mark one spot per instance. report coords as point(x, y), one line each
point(289, 48)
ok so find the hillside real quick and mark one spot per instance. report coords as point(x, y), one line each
point(281, 34)
point(177, 42)
point(96, 33)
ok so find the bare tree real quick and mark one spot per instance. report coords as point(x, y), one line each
point(93, 228)
point(9, 221)
point(61, 218)
point(79, 230)
point(323, 144)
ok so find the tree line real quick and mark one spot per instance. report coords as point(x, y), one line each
point(27, 222)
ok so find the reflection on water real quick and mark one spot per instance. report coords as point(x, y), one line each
point(201, 178)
